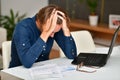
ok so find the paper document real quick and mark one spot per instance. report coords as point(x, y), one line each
point(49, 71)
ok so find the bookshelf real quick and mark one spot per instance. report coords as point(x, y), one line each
point(101, 33)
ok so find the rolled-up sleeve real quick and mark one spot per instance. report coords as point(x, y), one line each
point(67, 44)
point(70, 47)
point(28, 53)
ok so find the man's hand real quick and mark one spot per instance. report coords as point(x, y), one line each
point(49, 26)
point(64, 24)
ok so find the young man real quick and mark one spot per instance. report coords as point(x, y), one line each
point(33, 37)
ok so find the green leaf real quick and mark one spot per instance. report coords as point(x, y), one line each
point(92, 5)
point(9, 22)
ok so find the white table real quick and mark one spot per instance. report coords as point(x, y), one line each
point(111, 71)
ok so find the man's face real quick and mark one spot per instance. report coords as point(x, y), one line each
point(57, 29)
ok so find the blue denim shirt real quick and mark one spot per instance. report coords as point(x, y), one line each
point(28, 47)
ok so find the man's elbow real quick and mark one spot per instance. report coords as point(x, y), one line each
point(27, 65)
point(71, 56)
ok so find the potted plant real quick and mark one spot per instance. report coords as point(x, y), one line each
point(93, 17)
point(9, 21)
point(92, 6)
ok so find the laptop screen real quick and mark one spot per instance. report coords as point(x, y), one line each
point(113, 41)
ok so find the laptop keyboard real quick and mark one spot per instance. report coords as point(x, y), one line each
point(89, 59)
point(94, 59)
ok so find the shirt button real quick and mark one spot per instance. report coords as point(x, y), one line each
point(43, 46)
point(42, 55)
point(72, 53)
point(70, 38)
point(23, 44)
point(44, 49)
point(36, 58)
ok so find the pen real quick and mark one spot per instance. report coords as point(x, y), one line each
point(68, 69)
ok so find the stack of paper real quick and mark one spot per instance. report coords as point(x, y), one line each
point(49, 71)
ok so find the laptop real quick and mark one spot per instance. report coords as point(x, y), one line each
point(96, 59)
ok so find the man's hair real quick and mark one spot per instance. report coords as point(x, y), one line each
point(45, 13)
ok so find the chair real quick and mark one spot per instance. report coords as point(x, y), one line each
point(6, 53)
point(3, 35)
point(84, 42)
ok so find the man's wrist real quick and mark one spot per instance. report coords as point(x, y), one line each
point(66, 32)
point(44, 36)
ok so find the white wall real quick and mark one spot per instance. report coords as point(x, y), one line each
point(30, 7)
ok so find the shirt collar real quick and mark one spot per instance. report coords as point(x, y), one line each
point(34, 20)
